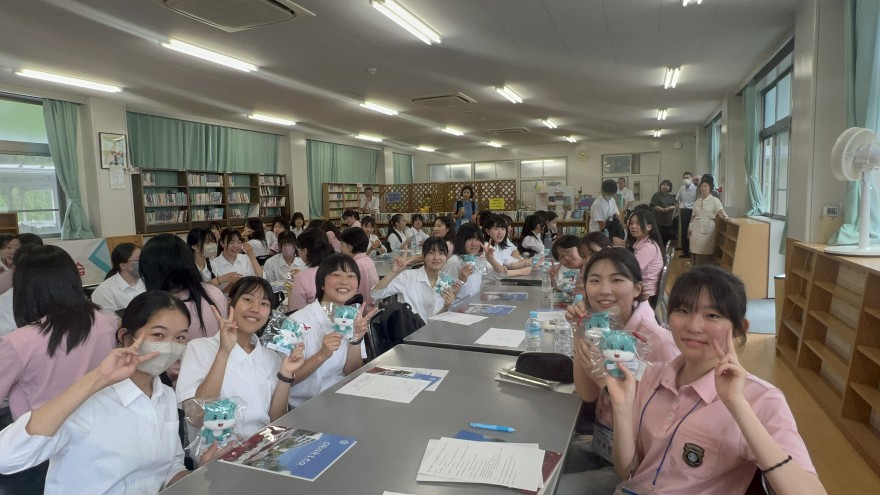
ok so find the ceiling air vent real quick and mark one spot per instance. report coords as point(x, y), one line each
point(442, 100)
point(510, 131)
point(238, 15)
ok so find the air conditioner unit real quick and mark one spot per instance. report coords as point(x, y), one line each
point(238, 15)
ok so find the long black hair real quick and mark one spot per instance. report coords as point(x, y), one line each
point(167, 264)
point(317, 246)
point(726, 291)
point(646, 218)
point(47, 292)
point(250, 285)
point(450, 227)
point(225, 236)
point(391, 230)
point(466, 232)
point(299, 215)
point(120, 255)
point(496, 221)
point(143, 307)
point(258, 228)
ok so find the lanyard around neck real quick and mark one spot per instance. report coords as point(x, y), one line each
point(668, 444)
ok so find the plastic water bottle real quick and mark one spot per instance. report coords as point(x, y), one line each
point(415, 246)
point(562, 337)
point(533, 332)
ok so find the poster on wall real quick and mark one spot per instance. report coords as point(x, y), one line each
point(91, 257)
point(114, 150)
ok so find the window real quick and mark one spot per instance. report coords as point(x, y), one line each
point(527, 173)
point(775, 88)
point(713, 131)
point(28, 184)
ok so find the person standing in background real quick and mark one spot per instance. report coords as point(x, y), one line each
point(465, 208)
point(369, 203)
point(663, 204)
point(604, 207)
point(625, 195)
point(685, 198)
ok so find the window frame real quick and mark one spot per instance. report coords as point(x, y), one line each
point(774, 131)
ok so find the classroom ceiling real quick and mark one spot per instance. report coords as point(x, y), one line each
point(595, 67)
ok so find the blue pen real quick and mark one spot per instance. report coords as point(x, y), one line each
point(493, 427)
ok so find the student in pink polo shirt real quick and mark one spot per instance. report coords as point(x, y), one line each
point(645, 242)
point(355, 244)
point(314, 247)
point(702, 423)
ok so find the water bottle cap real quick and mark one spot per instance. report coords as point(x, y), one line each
point(533, 314)
point(579, 297)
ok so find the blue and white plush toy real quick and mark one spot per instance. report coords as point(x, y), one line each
point(619, 346)
point(446, 281)
point(219, 422)
point(343, 320)
point(595, 327)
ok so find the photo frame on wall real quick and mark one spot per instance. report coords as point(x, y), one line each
point(617, 164)
point(114, 150)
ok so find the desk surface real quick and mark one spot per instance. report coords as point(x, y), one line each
point(392, 437)
point(461, 337)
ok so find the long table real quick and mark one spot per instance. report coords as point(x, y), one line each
point(532, 279)
point(392, 437)
point(454, 336)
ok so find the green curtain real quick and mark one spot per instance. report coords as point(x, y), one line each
point(331, 162)
point(754, 194)
point(403, 168)
point(862, 58)
point(159, 142)
point(61, 122)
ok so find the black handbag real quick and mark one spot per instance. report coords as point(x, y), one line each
point(547, 366)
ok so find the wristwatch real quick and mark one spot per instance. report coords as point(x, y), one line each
point(356, 342)
point(286, 379)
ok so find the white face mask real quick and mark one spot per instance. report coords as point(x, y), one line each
point(135, 268)
point(169, 353)
point(209, 250)
point(687, 182)
point(288, 251)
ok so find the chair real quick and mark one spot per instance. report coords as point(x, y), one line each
point(670, 251)
point(262, 259)
point(661, 311)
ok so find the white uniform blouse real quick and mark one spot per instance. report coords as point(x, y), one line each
point(276, 269)
point(114, 293)
point(394, 241)
point(249, 376)
point(413, 288)
point(118, 442)
point(242, 265)
point(331, 371)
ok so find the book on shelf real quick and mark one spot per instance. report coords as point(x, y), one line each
point(165, 216)
point(165, 199)
point(212, 198)
point(274, 201)
point(148, 178)
point(273, 180)
point(238, 181)
point(270, 191)
point(291, 452)
point(238, 197)
point(199, 215)
point(207, 180)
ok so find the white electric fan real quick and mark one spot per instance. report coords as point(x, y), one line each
point(855, 154)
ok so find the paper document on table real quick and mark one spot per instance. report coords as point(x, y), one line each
point(384, 387)
point(458, 318)
point(494, 463)
point(502, 337)
point(440, 374)
point(550, 315)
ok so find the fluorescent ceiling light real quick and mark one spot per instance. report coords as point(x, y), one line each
point(509, 94)
point(425, 149)
point(367, 137)
point(274, 120)
point(549, 123)
point(453, 131)
point(406, 20)
point(670, 79)
point(685, 3)
point(571, 139)
point(378, 108)
point(657, 133)
point(217, 58)
point(661, 113)
point(493, 144)
point(72, 81)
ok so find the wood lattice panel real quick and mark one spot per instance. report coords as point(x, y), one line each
point(406, 203)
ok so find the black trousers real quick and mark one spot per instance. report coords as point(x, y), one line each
point(684, 223)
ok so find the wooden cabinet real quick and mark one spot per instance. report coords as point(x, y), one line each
point(178, 200)
point(742, 247)
point(829, 334)
point(9, 223)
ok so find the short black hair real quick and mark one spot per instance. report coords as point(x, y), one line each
point(466, 232)
point(437, 243)
point(227, 235)
point(351, 213)
point(727, 292)
point(368, 188)
point(280, 220)
point(667, 182)
point(29, 239)
point(687, 173)
point(356, 238)
point(121, 253)
point(297, 215)
point(198, 238)
point(143, 307)
point(368, 220)
point(250, 285)
point(597, 238)
point(609, 186)
point(450, 226)
point(317, 245)
point(338, 261)
point(286, 237)
point(567, 241)
point(623, 260)
point(468, 188)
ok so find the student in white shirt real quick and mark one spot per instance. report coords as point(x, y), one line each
point(235, 256)
point(234, 363)
point(396, 234)
point(8, 245)
point(115, 430)
point(444, 228)
point(278, 267)
point(376, 248)
point(604, 207)
point(297, 223)
point(566, 275)
point(495, 232)
point(123, 282)
point(255, 234)
point(531, 244)
point(416, 287)
point(627, 198)
point(204, 248)
point(328, 356)
point(369, 204)
point(279, 225)
point(415, 233)
point(685, 199)
point(469, 240)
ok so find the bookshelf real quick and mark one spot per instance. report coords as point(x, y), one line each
point(9, 223)
point(828, 335)
point(341, 196)
point(179, 200)
point(742, 247)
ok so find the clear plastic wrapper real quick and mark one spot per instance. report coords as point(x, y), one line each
point(343, 319)
point(283, 334)
point(217, 421)
point(446, 281)
point(611, 344)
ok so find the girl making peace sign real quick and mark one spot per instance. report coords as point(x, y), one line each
point(702, 423)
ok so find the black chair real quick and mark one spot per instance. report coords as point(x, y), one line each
point(262, 259)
